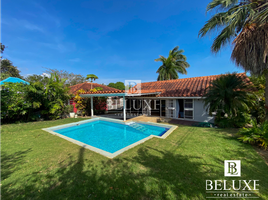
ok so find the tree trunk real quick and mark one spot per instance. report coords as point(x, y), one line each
point(266, 95)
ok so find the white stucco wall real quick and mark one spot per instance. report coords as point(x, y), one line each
point(200, 113)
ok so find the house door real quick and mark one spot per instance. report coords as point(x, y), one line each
point(163, 108)
point(170, 108)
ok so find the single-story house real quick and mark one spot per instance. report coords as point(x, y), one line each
point(13, 80)
point(178, 99)
point(86, 86)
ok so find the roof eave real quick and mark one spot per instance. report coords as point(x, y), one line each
point(103, 95)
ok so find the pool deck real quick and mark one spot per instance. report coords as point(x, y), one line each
point(100, 151)
point(141, 118)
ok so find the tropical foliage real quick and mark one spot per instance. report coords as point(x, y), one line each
point(21, 102)
point(56, 95)
point(14, 102)
point(230, 98)
point(172, 65)
point(231, 17)
point(261, 17)
point(258, 110)
point(257, 134)
point(245, 23)
point(37, 78)
point(83, 105)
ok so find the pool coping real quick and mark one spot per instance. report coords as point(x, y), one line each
point(100, 151)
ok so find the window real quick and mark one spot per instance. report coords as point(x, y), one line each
point(189, 114)
point(188, 103)
point(188, 109)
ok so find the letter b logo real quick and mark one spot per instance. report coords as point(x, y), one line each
point(232, 168)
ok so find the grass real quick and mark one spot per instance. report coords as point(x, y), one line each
point(38, 165)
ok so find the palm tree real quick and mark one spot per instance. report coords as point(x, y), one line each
point(93, 77)
point(245, 23)
point(251, 51)
point(228, 94)
point(172, 65)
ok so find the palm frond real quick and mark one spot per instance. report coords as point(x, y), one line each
point(221, 4)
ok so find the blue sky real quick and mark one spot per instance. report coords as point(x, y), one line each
point(116, 40)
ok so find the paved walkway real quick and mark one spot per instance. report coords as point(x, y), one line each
point(145, 119)
point(142, 118)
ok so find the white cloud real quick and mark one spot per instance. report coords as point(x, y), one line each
point(46, 75)
point(23, 24)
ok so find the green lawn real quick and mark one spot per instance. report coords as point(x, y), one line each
point(38, 165)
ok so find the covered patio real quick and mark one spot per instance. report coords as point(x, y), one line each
point(119, 93)
point(126, 96)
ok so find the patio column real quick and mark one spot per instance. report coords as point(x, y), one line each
point(91, 99)
point(124, 108)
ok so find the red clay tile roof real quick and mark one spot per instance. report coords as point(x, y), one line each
point(123, 91)
point(186, 87)
point(87, 86)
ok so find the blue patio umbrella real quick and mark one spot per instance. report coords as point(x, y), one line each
point(13, 80)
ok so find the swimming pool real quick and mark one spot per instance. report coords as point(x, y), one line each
point(109, 137)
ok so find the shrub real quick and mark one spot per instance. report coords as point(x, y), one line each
point(258, 134)
point(241, 120)
point(14, 102)
point(56, 94)
point(81, 103)
point(238, 121)
point(228, 94)
point(31, 102)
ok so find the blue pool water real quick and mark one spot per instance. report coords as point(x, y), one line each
point(110, 136)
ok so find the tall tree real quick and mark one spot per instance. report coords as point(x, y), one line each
point(118, 85)
point(172, 65)
point(70, 78)
point(7, 67)
point(37, 78)
point(245, 23)
point(92, 78)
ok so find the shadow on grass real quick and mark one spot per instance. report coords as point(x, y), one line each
point(12, 162)
point(151, 174)
point(162, 176)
